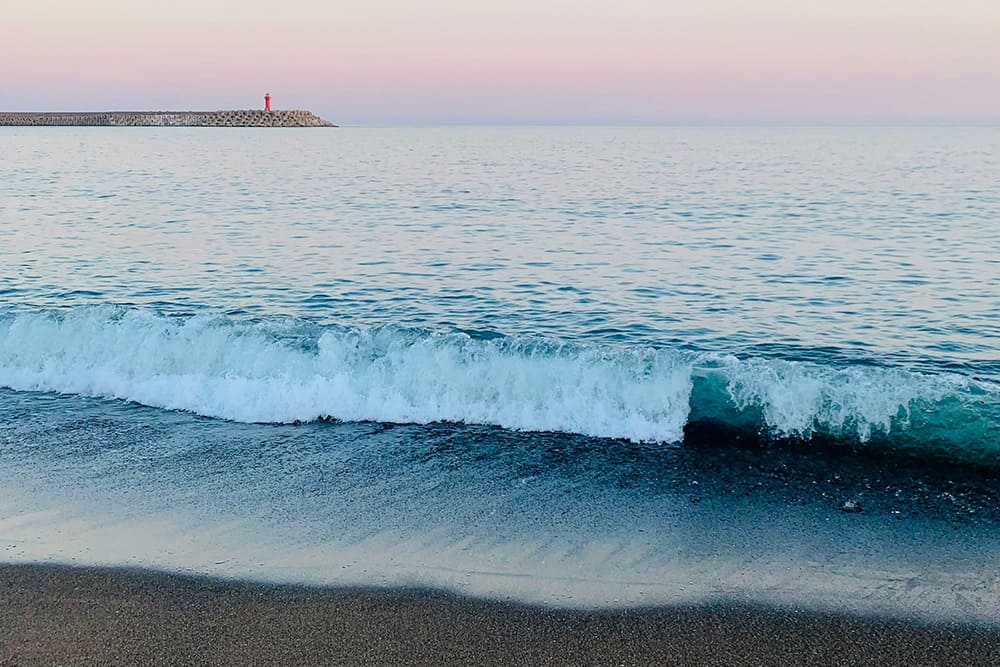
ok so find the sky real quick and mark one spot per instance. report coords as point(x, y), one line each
point(389, 62)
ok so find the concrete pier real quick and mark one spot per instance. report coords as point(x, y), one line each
point(233, 118)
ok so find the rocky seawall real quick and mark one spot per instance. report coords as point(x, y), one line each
point(235, 118)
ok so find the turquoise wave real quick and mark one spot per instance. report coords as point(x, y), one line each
point(287, 370)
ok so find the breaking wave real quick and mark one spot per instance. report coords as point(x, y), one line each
point(290, 370)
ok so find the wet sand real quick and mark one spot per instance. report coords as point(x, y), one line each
point(60, 615)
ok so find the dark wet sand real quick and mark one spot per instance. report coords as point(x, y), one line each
point(58, 615)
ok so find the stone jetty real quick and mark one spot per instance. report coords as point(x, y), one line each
point(235, 118)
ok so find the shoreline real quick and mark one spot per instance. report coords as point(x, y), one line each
point(62, 614)
point(838, 531)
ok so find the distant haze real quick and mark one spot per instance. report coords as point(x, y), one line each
point(498, 61)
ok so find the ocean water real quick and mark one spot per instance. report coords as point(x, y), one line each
point(486, 350)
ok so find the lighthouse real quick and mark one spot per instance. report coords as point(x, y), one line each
point(267, 101)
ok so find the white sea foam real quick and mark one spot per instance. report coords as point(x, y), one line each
point(241, 372)
point(797, 398)
point(274, 372)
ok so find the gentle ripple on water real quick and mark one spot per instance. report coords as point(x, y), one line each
point(862, 243)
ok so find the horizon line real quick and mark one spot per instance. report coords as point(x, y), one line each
point(424, 122)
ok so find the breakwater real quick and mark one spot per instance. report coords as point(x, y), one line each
point(231, 118)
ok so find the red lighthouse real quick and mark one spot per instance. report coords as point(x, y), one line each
point(267, 101)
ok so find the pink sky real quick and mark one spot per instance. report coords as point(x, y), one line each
point(441, 61)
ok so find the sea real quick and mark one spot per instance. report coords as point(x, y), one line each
point(556, 365)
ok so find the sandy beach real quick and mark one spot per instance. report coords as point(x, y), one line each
point(59, 615)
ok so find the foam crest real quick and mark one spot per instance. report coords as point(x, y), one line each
point(799, 398)
point(281, 371)
point(263, 373)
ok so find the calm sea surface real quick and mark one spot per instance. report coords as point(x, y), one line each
point(852, 244)
point(168, 296)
